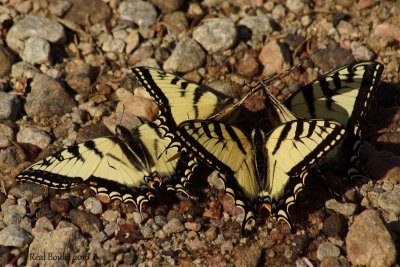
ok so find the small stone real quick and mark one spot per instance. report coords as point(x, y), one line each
point(59, 7)
point(111, 215)
point(43, 225)
point(13, 214)
point(93, 205)
point(187, 56)
point(87, 13)
point(216, 35)
point(23, 69)
point(347, 209)
point(279, 12)
point(227, 247)
point(260, 27)
point(276, 235)
point(335, 225)
point(168, 6)
point(248, 66)
point(387, 30)
point(213, 210)
point(172, 214)
point(365, 233)
point(296, 6)
point(8, 158)
point(136, 105)
point(34, 26)
point(211, 233)
point(36, 51)
point(173, 226)
point(34, 136)
point(142, 13)
point(87, 222)
point(81, 78)
point(275, 58)
point(132, 41)
point(47, 92)
point(331, 58)
point(115, 45)
point(14, 236)
point(177, 22)
point(6, 61)
point(59, 205)
point(361, 52)
point(128, 233)
point(194, 226)
point(248, 255)
point(327, 249)
point(9, 106)
point(384, 165)
point(140, 54)
point(389, 201)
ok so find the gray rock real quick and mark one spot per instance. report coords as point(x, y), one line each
point(389, 201)
point(111, 215)
point(260, 27)
point(296, 6)
point(33, 26)
point(187, 56)
point(59, 7)
point(368, 242)
point(6, 60)
point(160, 220)
point(43, 225)
point(177, 22)
point(34, 136)
point(23, 69)
point(142, 13)
point(66, 243)
point(9, 106)
point(347, 209)
point(361, 52)
point(327, 249)
point(87, 13)
point(93, 205)
point(81, 78)
point(7, 134)
point(275, 58)
point(173, 226)
point(279, 12)
point(14, 236)
point(87, 222)
point(168, 6)
point(36, 51)
point(14, 214)
point(112, 44)
point(28, 191)
point(8, 158)
point(216, 34)
point(146, 231)
point(47, 92)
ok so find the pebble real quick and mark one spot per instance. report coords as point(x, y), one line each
point(142, 13)
point(384, 165)
point(361, 52)
point(59, 205)
point(369, 242)
point(168, 6)
point(87, 13)
point(211, 233)
point(44, 91)
point(275, 58)
point(347, 209)
point(194, 226)
point(29, 191)
point(173, 226)
point(160, 220)
point(81, 78)
point(36, 51)
point(260, 27)
point(296, 6)
point(279, 12)
point(111, 215)
point(327, 249)
point(66, 242)
point(34, 26)
point(87, 222)
point(13, 214)
point(132, 41)
point(389, 201)
point(330, 58)
point(248, 255)
point(9, 106)
point(23, 69)
point(128, 233)
point(14, 236)
point(27, 224)
point(59, 7)
point(177, 22)
point(187, 56)
point(34, 136)
point(213, 210)
point(335, 225)
point(43, 225)
point(248, 66)
point(216, 35)
point(6, 61)
point(112, 44)
point(93, 205)
point(387, 30)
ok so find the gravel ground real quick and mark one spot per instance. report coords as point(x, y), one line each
point(64, 77)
